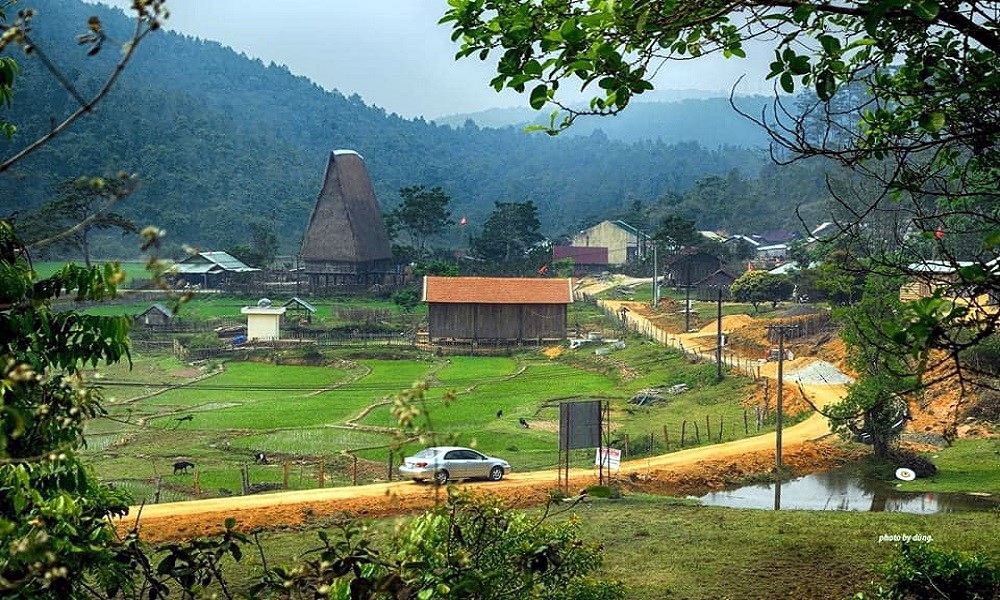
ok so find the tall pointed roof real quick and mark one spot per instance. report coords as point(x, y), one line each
point(346, 224)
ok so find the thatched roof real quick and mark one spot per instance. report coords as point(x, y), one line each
point(346, 224)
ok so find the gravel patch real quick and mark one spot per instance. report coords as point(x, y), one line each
point(819, 372)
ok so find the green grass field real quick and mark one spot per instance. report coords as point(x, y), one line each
point(313, 414)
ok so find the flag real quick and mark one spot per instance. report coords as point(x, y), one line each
point(543, 269)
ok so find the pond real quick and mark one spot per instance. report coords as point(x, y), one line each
point(840, 490)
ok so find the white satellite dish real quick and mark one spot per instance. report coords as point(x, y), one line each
point(905, 474)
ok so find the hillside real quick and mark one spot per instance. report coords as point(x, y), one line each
point(221, 140)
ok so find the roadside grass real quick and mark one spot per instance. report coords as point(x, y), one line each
point(667, 548)
point(969, 465)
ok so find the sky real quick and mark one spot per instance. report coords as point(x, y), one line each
point(393, 53)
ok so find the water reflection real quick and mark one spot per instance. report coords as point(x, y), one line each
point(839, 490)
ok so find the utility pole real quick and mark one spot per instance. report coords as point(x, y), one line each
point(779, 418)
point(687, 298)
point(656, 289)
point(718, 337)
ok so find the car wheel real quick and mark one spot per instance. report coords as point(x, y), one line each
point(441, 477)
point(496, 473)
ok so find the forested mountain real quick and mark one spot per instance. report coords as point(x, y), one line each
point(220, 141)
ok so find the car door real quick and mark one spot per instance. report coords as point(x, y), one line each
point(463, 463)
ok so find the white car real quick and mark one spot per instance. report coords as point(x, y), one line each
point(443, 463)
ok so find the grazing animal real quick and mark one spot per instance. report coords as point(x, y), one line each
point(260, 458)
point(523, 423)
point(500, 413)
point(182, 466)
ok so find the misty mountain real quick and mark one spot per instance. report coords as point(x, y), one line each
point(220, 140)
point(708, 121)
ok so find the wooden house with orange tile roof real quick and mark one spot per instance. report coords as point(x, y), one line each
point(496, 309)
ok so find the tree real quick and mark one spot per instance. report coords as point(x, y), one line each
point(875, 409)
point(57, 541)
point(81, 206)
point(761, 286)
point(675, 233)
point(903, 94)
point(422, 214)
point(261, 247)
point(510, 235)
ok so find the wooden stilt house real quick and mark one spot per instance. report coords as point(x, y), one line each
point(346, 242)
point(496, 309)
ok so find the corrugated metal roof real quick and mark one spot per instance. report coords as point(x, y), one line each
point(213, 261)
point(302, 303)
point(497, 290)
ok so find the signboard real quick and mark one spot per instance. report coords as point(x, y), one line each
point(579, 424)
point(612, 458)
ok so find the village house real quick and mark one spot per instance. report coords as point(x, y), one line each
point(346, 242)
point(211, 269)
point(623, 242)
point(689, 266)
point(496, 309)
point(156, 316)
point(586, 261)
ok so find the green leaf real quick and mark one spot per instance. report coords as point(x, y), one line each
point(826, 85)
point(787, 83)
point(926, 9)
point(539, 96)
point(932, 122)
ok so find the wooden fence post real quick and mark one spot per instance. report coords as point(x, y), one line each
point(627, 445)
point(708, 430)
point(389, 471)
point(322, 472)
point(697, 434)
point(245, 477)
point(354, 469)
point(683, 431)
point(284, 479)
point(720, 429)
point(196, 485)
point(666, 439)
point(746, 426)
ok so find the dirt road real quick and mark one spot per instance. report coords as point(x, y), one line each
point(686, 471)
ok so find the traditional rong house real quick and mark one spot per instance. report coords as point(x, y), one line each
point(346, 242)
point(496, 309)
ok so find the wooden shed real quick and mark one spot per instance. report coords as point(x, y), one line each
point(346, 241)
point(496, 309)
point(154, 317)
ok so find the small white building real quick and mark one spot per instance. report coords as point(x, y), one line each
point(263, 321)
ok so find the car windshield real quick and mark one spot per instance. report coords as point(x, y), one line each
point(427, 453)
